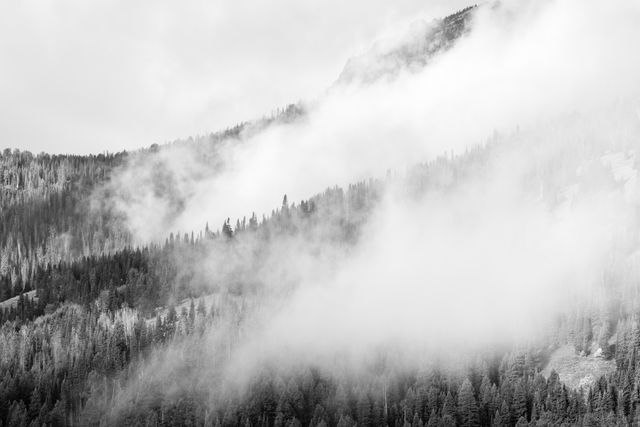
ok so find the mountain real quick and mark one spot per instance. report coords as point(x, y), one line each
point(412, 51)
point(328, 310)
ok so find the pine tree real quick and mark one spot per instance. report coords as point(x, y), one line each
point(467, 406)
point(35, 402)
point(434, 420)
point(486, 408)
point(226, 229)
point(448, 407)
point(345, 421)
point(519, 405)
point(417, 421)
point(364, 409)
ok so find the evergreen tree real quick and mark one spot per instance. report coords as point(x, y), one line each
point(467, 406)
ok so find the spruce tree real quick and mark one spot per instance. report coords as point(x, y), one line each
point(467, 406)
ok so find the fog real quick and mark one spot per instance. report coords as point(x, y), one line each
point(106, 76)
point(485, 262)
point(525, 63)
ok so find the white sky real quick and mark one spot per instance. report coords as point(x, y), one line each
point(78, 76)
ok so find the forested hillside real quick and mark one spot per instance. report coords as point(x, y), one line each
point(495, 285)
point(44, 215)
point(68, 353)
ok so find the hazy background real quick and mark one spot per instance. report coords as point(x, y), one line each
point(87, 77)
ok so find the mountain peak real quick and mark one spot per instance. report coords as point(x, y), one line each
point(413, 51)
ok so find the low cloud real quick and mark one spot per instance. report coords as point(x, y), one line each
point(520, 236)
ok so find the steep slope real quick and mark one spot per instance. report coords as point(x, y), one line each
point(144, 335)
point(413, 51)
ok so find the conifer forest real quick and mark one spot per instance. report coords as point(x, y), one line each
point(445, 233)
